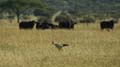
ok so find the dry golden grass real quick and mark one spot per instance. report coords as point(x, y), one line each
point(88, 47)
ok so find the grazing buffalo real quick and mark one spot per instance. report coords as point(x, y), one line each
point(107, 25)
point(45, 25)
point(66, 24)
point(26, 24)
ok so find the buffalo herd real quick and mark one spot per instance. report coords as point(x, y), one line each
point(46, 25)
point(69, 24)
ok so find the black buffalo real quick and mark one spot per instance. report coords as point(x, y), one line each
point(107, 25)
point(45, 25)
point(26, 24)
point(68, 24)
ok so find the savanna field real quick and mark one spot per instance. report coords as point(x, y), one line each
point(88, 47)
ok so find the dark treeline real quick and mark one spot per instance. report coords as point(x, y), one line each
point(87, 7)
point(100, 9)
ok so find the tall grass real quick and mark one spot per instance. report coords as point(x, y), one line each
point(88, 47)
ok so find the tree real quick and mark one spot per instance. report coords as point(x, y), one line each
point(19, 6)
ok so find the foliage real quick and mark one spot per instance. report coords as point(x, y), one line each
point(63, 17)
point(44, 19)
point(87, 7)
point(18, 6)
point(98, 8)
point(87, 19)
point(42, 12)
point(25, 17)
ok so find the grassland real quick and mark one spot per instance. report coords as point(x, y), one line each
point(88, 47)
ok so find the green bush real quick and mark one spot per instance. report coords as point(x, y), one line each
point(87, 19)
